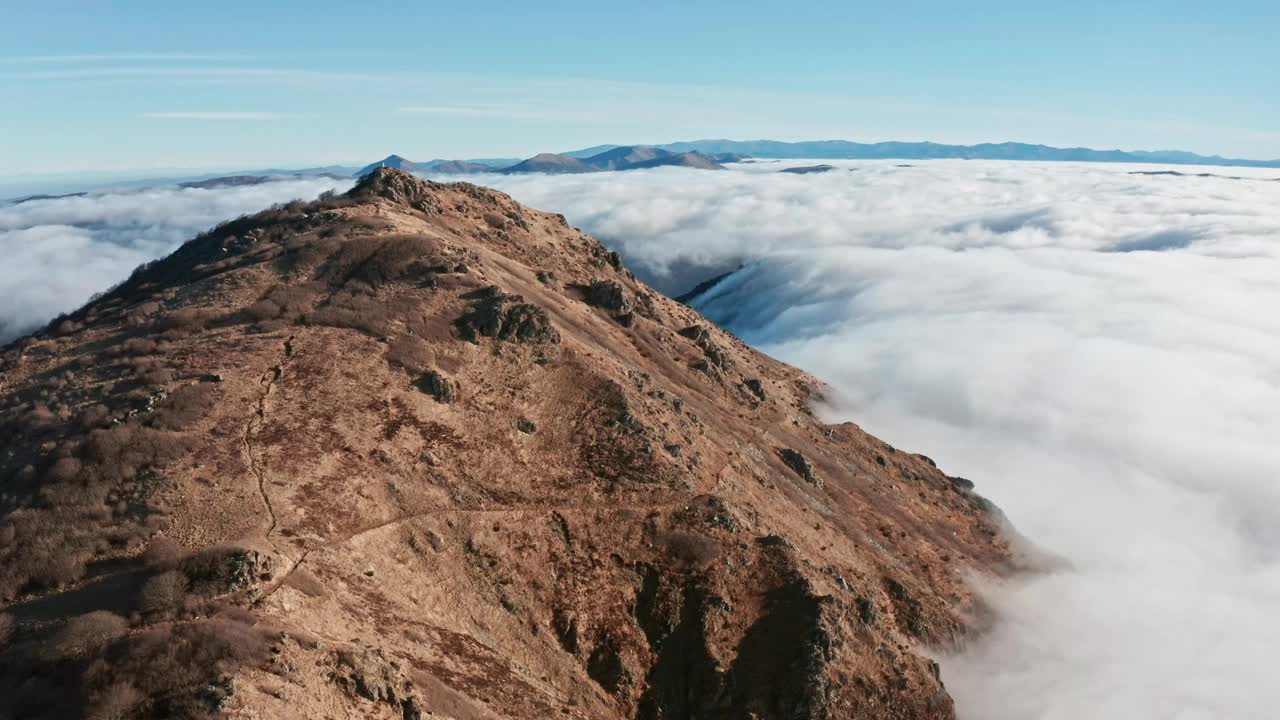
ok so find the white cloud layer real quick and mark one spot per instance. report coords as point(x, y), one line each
point(1099, 351)
point(1122, 407)
point(59, 251)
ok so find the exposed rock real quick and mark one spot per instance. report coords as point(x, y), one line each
point(798, 462)
point(757, 388)
point(566, 627)
point(609, 295)
point(506, 317)
point(369, 675)
point(774, 541)
point(400, 188)
point(714, 354)
point(526, 426)
point(866, 610)
point(697, 333)
point(437, 386)
point(606, 667)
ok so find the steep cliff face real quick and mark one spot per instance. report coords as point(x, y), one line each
point(418, 451)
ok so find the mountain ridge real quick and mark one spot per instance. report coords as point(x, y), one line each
point(419, 451)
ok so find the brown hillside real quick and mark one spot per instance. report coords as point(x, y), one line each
point(421, 452)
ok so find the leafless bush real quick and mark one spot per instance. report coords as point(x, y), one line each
point(7, 629)
point(163, 553)
point(209, 571)
point(351, 310)
point(411, 353)
point(94, 416)
point(306, 583)
point(40, 417)
point(186, 406)
point(163, 593)
point(375, 260)
point(285, 302)
point(264, 309)
point(54, 570)
point(137, 346)
point(88, 633)
point(171, 666)
point(63, 470)
point(115, 702)
point(689, 550)
point(119, 452)
point(65, 326)
point(158, 376)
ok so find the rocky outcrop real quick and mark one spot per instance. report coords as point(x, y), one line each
point(800, 464)
point(497, 315)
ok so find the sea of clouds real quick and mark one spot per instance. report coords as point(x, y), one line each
point(1098, 350)
point(56, 252)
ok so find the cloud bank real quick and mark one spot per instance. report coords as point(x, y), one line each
point(59, 251)
point(1098, 350)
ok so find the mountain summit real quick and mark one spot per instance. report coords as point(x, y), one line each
point(420, 452)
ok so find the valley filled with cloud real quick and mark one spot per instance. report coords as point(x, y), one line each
point(1097, 349)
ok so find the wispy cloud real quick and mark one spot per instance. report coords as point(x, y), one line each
point(517, 112)
point(213, 115)
point(133, 57)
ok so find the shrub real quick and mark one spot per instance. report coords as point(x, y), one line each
point(306, 583)
point(186, 406)
point(353, 310)
point(158, 376)
point(40, 417)
point(163, 593)
point(66, 326)
point(186, 320)
point(264, 309)
point(63, 470)
point(175, 667)
point(85, 634)
point(115, 702)
point(94, 416)
point(689, 550)
point(411, 353)
point(162, 553)
point(8, 628)
point(119, 452)
point(137, 346)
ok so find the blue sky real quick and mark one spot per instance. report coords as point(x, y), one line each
point(115, 86)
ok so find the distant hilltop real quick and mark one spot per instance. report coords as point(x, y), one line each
point(711, 154)
point(614, 157)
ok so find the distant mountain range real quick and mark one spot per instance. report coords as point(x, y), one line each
point(612, 158)
point(700, 154)
point(846, 150)
point(712, 154)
